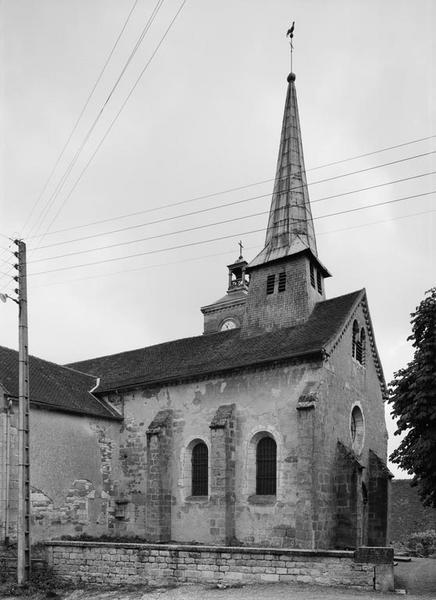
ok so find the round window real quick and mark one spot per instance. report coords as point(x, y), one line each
point(357, 429)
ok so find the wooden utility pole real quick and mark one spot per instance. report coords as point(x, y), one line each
point(23, 563)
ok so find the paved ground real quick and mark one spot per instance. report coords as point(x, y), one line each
point(277, 591)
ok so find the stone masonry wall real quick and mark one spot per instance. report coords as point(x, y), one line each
point(345, 384)
point(87, 562)
point(266, 312)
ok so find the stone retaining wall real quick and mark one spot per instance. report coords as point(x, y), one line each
point(154, 564)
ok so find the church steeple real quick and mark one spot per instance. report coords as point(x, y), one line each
point(290, 226)
point(286, 277)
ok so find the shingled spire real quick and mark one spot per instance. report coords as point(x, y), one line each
point(290, 226)
point(286, 277)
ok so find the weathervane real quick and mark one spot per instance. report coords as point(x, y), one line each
point(290, 33)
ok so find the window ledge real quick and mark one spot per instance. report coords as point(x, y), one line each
point(197, 499)
point(358, 363)
point(262, 500)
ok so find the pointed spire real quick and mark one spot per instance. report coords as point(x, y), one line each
point(290, 226)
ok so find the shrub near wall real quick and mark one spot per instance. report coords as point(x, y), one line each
point(93, 562)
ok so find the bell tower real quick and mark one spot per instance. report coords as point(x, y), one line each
point(227, 312)
point(286, 277)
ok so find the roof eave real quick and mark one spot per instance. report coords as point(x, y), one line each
point(324, 271)
point(69, 410)
point(320, 352)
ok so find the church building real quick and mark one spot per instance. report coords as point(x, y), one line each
point(268, 429)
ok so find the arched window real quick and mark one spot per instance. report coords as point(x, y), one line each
point(357, 429)
point(200, 466)
point(266, 467)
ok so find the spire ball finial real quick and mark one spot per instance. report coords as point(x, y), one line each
point(291, 77)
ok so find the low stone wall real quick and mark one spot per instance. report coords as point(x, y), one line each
point(154, 564)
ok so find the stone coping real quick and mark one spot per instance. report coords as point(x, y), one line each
point(198, 548)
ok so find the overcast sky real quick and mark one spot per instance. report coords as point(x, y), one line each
point(205, 117)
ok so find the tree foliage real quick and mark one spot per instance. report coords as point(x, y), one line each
point(413, 398)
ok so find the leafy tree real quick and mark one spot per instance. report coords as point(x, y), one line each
point(413, 398)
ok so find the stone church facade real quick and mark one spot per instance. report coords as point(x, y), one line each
point(268, 429)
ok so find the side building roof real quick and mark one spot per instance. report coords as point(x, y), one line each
point(217, 352)
point(53, 386)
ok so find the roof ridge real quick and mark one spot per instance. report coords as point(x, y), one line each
point(231, 333)
point(50, 362)
point(192, 337)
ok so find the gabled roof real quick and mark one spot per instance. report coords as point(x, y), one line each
point(53, 386)
point(223, 351)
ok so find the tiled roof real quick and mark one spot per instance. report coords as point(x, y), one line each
point(53, 386)
point(217, 352)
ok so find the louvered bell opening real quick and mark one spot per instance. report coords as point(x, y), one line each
point(282, 281)
point(266, 467)
point(312, 275)
point(359, 352)
point(200, 470)
point(270, 284)
point(319, 282)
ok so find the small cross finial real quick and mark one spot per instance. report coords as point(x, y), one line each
point(240, 249)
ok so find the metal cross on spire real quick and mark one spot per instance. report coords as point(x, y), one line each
point(290, 34)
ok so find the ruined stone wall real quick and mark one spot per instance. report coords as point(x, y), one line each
point(71, 486)
point(367, 568)
point(346, 383)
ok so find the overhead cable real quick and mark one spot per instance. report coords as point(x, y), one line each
point(226, 191)
point(207, 256)
point(79, 118)
point(64, 177)
point(115, 259)
point(204, 210)
point(116, 117)
point(188, 229)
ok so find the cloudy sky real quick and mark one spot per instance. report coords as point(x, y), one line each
point(202, 117)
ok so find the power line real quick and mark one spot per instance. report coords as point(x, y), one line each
point(115, 259)
point(189, 229)
point(7, 274)
point(226, 191)
point(85, 106)
point(64, 177)
point(216, 207)
point(117, 115)
point(207, 256)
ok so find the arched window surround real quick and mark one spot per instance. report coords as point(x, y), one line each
point(266, 466)
point(200, 469)
point(185, 480)
point(357, 428)
point(249, 479)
